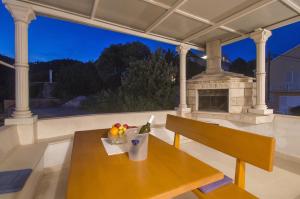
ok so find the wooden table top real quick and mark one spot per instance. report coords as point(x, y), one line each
point(167, 172)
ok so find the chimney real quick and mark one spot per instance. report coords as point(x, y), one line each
point(214, 56)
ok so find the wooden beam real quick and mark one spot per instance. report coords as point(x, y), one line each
point(94, 10)
point(163, 17)
point(292, 5)
point(231, 18)
point(191, 16)
point(58, 13)
point(272, 27)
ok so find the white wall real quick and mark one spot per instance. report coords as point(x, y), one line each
point(285, 71)
point(57, 127)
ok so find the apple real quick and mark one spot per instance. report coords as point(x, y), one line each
point(117, 125)
point(126, 126)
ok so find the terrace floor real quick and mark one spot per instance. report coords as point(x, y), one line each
point(282, 183)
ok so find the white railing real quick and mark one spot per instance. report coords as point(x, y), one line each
point(6, 64)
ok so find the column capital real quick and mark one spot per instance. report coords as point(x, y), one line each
point(182, 49)
point(260, 35)
point(20, 12)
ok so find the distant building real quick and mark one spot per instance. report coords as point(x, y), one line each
point(285, 81)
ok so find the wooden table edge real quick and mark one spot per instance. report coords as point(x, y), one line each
point(189, 187)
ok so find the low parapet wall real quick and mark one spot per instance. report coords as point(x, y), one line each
point(284, 128)
point(63, 126)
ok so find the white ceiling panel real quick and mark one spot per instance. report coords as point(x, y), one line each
point(217, 34)
point(215, 10)
point(133, 13)
point(263, 17)
point(77, 6)
point(135, 16)
point(178, 26)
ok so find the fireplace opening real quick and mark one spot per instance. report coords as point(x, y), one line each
point(213, 100)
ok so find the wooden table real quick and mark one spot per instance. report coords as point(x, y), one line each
point(167, 172)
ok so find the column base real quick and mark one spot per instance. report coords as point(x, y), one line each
point(261, 111)
point(20, 121)
point(27, 128)
point(22, 114)
point(183, 109)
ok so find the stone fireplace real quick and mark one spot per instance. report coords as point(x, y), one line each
point(219, 91)
point(224, 92)
point(223, 95)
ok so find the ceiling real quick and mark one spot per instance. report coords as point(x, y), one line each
point(193, 22)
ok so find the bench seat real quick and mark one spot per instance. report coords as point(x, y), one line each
point(246, 147)
point(230, 191)
point(25, 157)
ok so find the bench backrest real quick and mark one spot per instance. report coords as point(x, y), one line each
point(247, 147)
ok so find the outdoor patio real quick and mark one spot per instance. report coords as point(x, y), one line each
point(45, 145)
point(53, 184)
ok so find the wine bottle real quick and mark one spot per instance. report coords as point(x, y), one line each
point(146, 127)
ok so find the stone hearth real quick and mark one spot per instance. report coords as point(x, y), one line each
point(240, 89)
point(241, 97)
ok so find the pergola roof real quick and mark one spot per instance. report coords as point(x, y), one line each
point(192, 22)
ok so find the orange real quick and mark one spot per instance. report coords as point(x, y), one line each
point(114, 131)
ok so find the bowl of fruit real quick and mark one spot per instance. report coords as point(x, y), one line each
point(117, 133)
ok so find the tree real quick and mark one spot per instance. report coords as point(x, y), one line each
point(147, 84)
point(243, 67)
point(115, 59)
point(76, 80)
point(7, 80)
point(171, 57)
point(251, 68)
point(295, 110)
point(39, 71)
point(152, 79)
point(195, 65)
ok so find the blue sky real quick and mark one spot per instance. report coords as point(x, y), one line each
point(55, 39)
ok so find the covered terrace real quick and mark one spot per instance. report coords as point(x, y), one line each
point(189, 24)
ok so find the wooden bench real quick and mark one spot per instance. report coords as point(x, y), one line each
point(14, 156)
point(246, 147)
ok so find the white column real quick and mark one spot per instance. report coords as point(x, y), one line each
point(22, 17)
point(260, 38)
point(182, 50)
